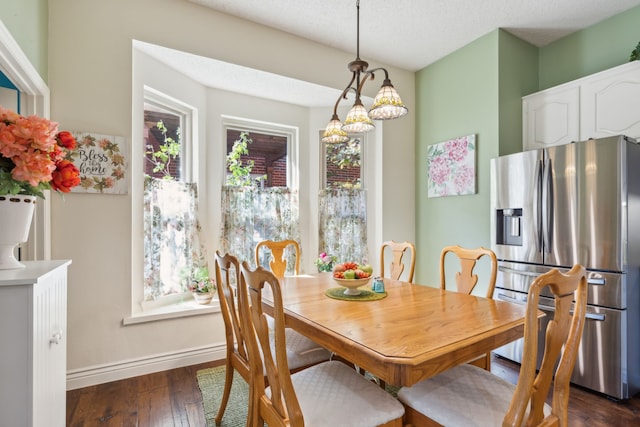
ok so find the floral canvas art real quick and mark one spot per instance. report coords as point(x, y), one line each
point(451, 167)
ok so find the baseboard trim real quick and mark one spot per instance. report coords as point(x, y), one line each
point(86, 377)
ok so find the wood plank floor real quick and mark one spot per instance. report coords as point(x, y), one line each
point(172, 398)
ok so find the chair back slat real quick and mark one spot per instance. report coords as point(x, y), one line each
point(466, 279)
point(397, 266)
point(278, 261)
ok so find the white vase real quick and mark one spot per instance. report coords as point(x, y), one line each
point(203, 298)
point(16, 213)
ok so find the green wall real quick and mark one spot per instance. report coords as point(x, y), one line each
point(475, 90)
point(27, 21)
point(478, 89)
point(455, 96)
point(604, 45)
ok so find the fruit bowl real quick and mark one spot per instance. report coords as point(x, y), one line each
point(352, 285)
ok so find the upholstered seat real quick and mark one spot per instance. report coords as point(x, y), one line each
point(467, 395)
point(326, 394)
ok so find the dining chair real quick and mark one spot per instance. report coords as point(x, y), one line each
point(466, 279)
point(327, 394)
point(467, 395)
point(301, 351)
point(278, 261)
point(396, 266)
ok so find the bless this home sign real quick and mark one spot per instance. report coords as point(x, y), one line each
point(101, 160)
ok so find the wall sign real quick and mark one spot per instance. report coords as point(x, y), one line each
point(102, 162)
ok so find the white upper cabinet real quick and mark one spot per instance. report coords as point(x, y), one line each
point(551, 117)
point(603, 104)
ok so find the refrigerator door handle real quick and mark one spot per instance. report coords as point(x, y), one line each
point(520, 272)
point(513, 300)
point(537, 208)
point(547, 205)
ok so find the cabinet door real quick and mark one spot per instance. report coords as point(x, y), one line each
point(610, 103)
point(50, 349)
point(551, 117)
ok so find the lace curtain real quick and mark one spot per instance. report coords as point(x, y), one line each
point(173, 249)
point(343, 224)
point(250, 215)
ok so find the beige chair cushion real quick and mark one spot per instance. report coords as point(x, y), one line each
point(301, 351)
point(333, 394)
point(463, 396)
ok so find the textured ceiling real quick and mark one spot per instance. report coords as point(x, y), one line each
point(409, 34)
point(412, 34)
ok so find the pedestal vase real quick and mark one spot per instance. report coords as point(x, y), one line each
point(16, 213)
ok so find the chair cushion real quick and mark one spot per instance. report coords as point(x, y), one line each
point(301, 351)
point(333, 394)
point(462, 396)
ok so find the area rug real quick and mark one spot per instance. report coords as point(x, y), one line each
point(211, 383)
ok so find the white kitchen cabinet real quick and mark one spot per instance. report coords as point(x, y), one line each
point(551, 117)
point(602, 104)
point(33, 332)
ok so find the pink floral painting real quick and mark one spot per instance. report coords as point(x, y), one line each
point(452, 167)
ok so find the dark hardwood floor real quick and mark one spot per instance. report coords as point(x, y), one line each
point(172, 398)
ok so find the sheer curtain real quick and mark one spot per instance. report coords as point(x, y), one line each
point(343, 224)
point(173, 248)
point(251, 214)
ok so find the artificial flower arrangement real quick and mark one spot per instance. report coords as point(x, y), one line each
point(32, 156)
point(201, 282)
point(325, 262)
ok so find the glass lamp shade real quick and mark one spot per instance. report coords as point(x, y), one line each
point(333, 133)
point(387, 104)
point(357, 120)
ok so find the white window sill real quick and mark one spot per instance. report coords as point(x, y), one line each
point(172, 311)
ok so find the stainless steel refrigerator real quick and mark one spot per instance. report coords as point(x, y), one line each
point(576, 204)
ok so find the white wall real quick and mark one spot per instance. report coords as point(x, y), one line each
point(91, 80)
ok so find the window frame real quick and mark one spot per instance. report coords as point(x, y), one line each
point(323, 161)
point(180, 302)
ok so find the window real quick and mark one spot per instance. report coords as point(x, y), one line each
point(260, 198)
point(343, 203)
point(172, 249)
point(342, 164)
point(260, 154)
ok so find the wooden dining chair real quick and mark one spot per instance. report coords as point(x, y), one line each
point(466, 279)
point(396, 266)
point(278, 261)
point(467, 395)
point(326, 394)
point(301, 352)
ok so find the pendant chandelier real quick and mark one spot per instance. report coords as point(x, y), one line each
point(386, 105)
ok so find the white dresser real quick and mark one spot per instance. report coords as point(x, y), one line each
point(33, 337)
point(600, 105)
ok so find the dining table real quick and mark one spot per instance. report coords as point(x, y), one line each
point(402, 336)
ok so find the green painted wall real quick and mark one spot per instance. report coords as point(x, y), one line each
point(27, 21)
point(478, 89)
point(604, 45)
point(475, 90)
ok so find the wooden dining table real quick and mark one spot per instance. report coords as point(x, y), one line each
point(413, 333)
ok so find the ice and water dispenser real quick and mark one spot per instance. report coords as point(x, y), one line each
point(508, 230)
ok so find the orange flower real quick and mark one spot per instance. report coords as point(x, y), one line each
point(66, 139)
point(65, 176)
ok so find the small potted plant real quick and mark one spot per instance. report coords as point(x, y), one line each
point(202, 287)
point(325, 263)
